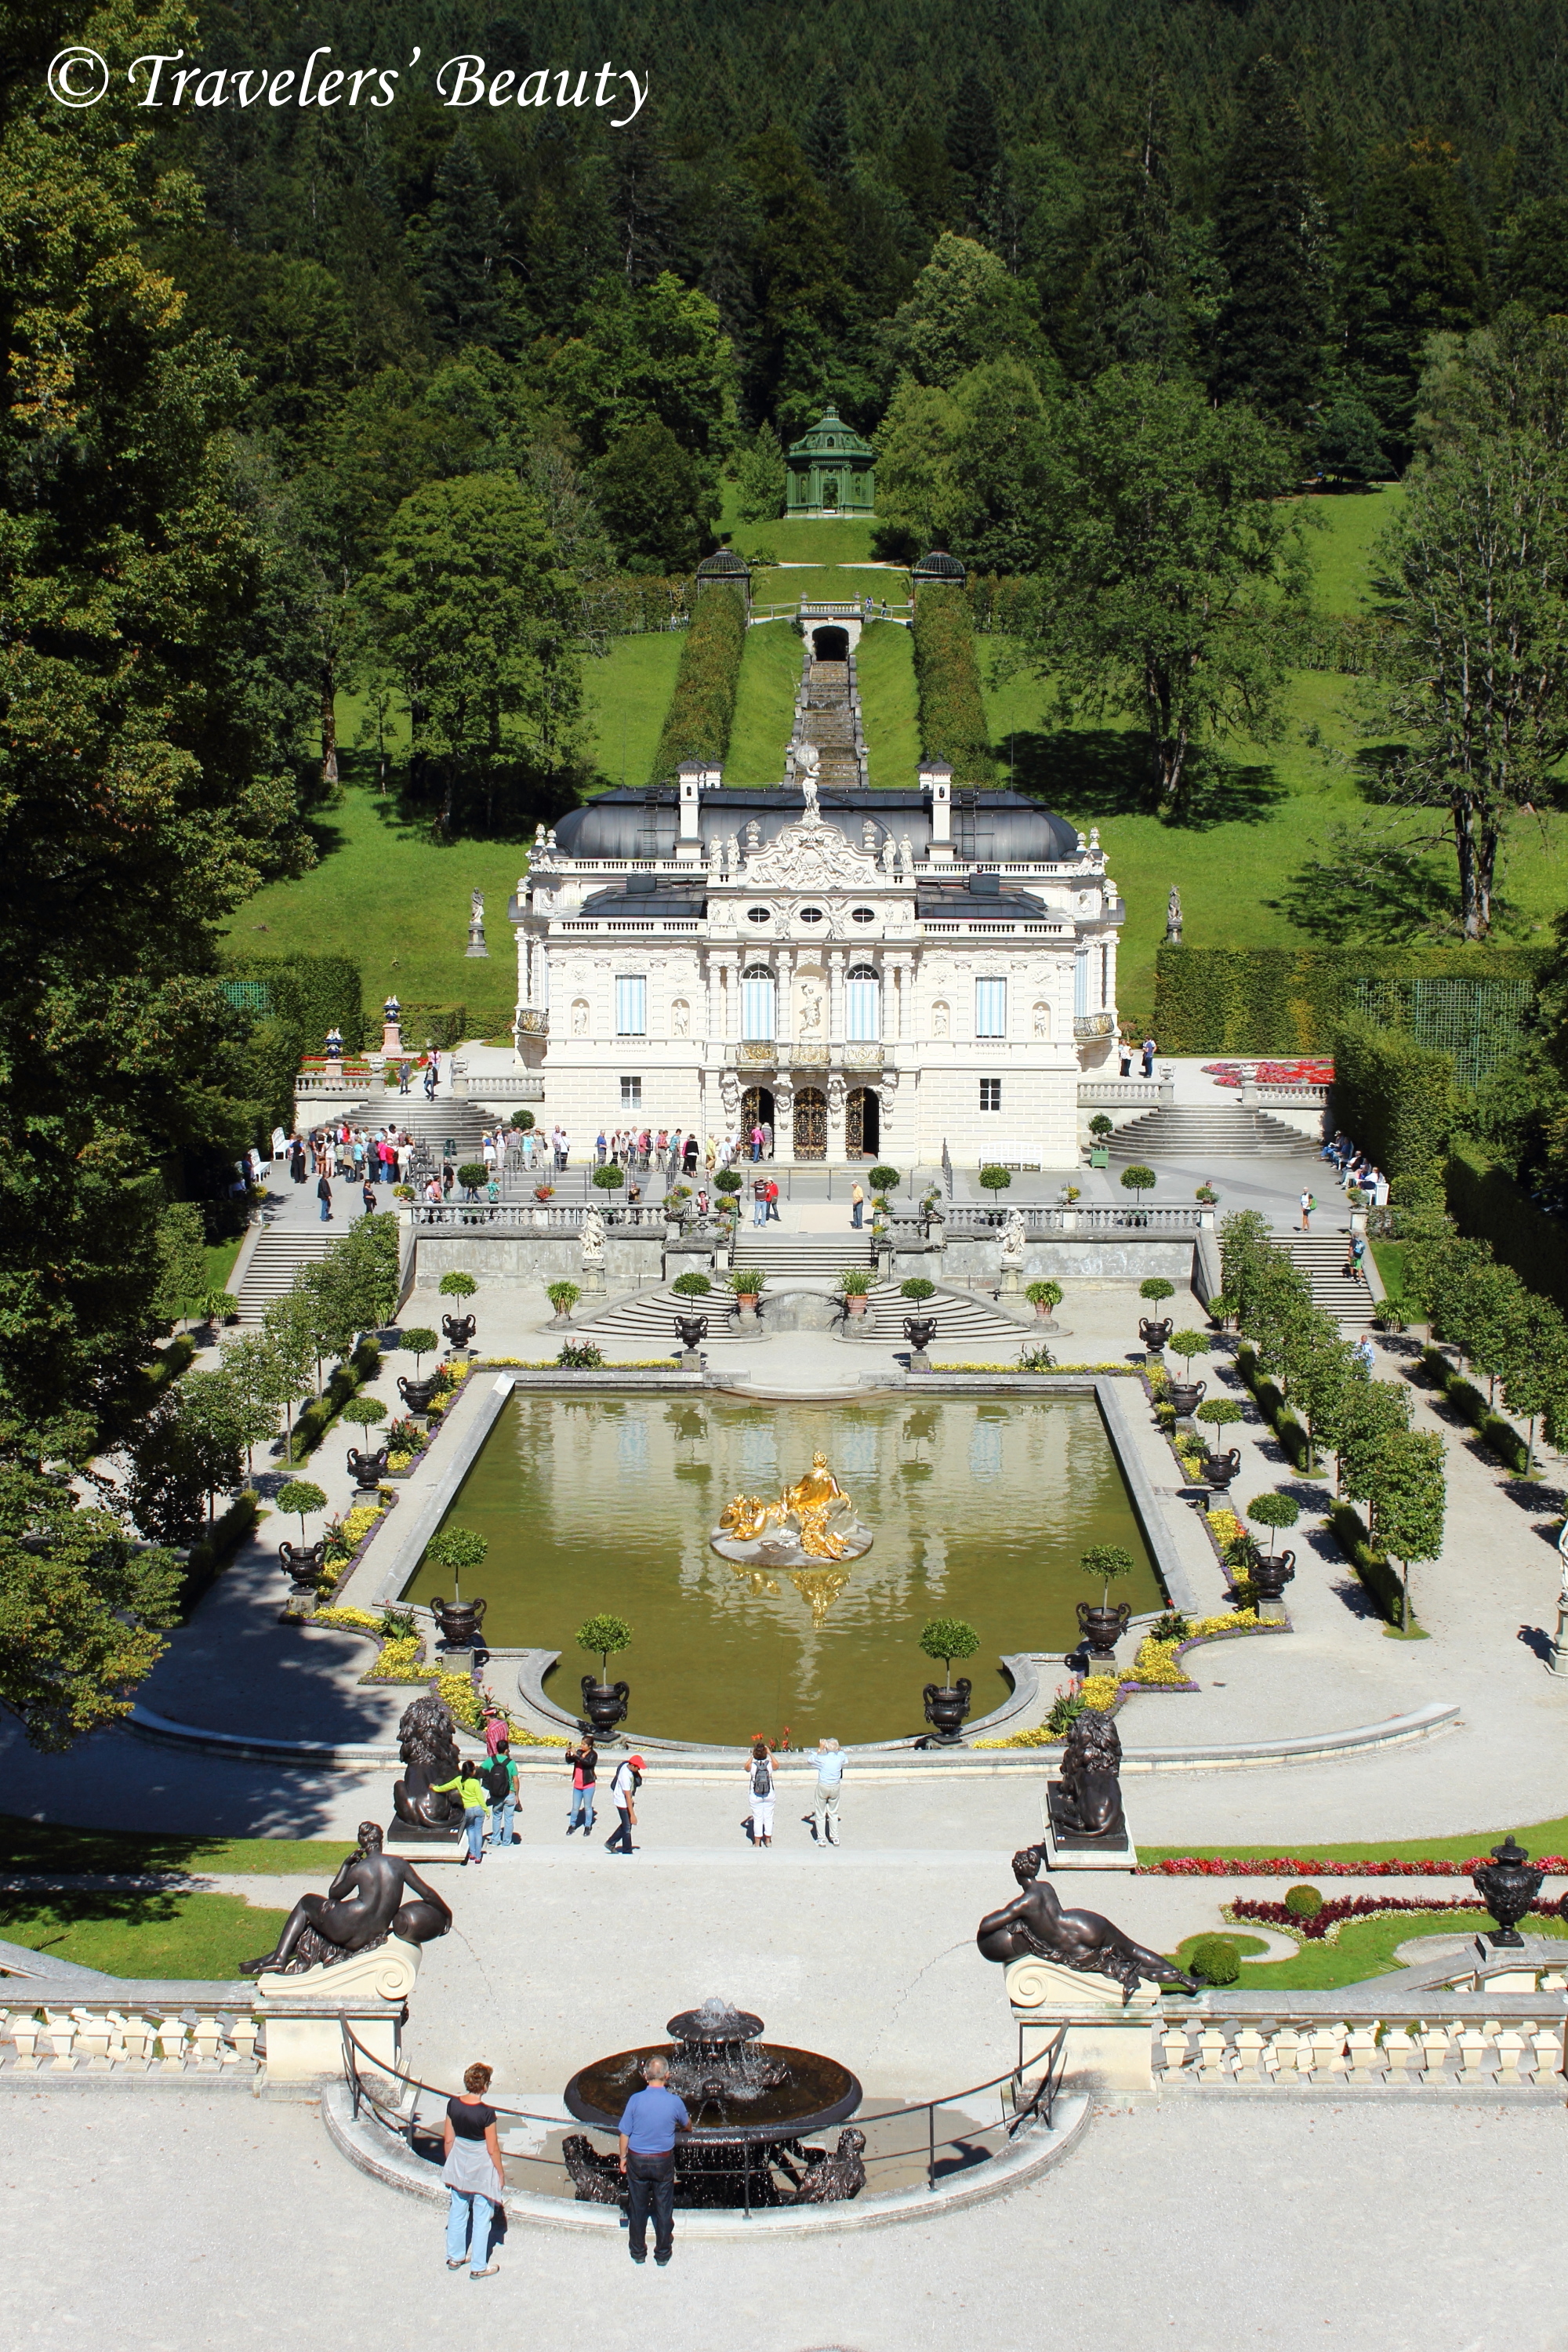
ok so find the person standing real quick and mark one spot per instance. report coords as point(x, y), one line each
point(324, 1194)
point(1124, 1053)
point(473, 2176)
point(772, 1189)
point(649, 2121)
point(1308, 1205)
point(623, 1790)
point(1149, 1050)
point(757, 1141)
point(495, 1730)
point(759, 1203)
point(857, 1204)
point(367, 1194)
point(470, 1793)
point(584, 1760)
point(500, 1788)
point(830, 1784)
point(761, 1770)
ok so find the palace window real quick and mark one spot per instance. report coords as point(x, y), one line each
point(631, 1005)
point(991, 1008)
point(631, 1094)
point(758, 914)
point(1081, 980)
point(757, 1001)
point(863, 914)
point(862, 1005)
point(811, 914)
point(990, 1094)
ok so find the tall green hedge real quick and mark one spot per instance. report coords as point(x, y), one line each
point(307, 994)
point(1289, 1001)
point(1487, 1202)
point(953, 710)
point(631, 605)
point(702, 707)
point(1397, 1099)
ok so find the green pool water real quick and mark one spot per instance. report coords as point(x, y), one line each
point(980, 1510)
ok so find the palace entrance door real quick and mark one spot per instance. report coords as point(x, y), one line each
point(810, 1123)
point(862, 1124)
point(756, 1110)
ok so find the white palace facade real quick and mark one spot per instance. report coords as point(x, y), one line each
point(870, 973)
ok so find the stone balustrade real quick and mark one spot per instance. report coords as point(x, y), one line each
point(1041, 1218)
point(161, 2028)
point(1444, 2042)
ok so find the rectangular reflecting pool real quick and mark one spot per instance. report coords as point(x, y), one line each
point(980, 1509)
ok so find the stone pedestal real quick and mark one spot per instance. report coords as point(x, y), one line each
point(301, 2048)
point(691, 1360)
point(1068, 1850)
point(591, 1281)
point(1012, 1282)
point(392, 1038)
point(1109, 2043)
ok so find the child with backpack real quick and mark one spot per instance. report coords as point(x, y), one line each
point(760, 1773)
point(499, 1782)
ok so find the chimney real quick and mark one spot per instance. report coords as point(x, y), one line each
point(936, 778)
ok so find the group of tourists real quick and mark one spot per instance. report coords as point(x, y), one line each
point(681, 1153)
point(1354, 1167)
point(1146, 1052)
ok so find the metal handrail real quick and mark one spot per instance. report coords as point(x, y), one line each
point(1037, 2106)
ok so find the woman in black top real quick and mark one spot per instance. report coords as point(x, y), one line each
point(472, 2173)
point(585, 1762)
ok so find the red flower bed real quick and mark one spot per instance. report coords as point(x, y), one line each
point(1314, 1071)
point(1357, 1906)
point(1292, 1866)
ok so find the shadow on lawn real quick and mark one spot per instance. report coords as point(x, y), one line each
point(1103, 771)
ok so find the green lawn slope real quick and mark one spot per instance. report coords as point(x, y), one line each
point(764, 705)
point(889, 711)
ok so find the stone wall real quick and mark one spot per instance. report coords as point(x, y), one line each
point(632, 1261)
point(1111, 1260)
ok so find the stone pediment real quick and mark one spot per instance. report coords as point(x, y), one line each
point(811, 855)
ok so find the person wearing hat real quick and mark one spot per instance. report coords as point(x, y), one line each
point(622, 1791)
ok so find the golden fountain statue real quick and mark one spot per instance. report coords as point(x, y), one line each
point(812, 1520)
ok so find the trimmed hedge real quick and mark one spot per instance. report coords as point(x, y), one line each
point(1288, 1001)
point(206, 1560)
point(447, 1025)
point(1397, 1099)
point(307, 994)
point(313, 1421)
point(1487, 1202)
point(1377, 1577)
point(632, 606)
point(1270, 1398)
point(702, 707)
point(953, 710)
point(1499, 1436)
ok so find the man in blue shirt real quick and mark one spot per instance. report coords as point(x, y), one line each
point(649, 2121)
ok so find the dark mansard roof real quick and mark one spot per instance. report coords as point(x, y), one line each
point(1004, 827)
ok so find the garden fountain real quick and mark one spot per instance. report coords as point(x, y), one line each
point(751, 2102)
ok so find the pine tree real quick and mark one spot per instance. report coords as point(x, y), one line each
point(973, 147)
point(828, 136)
point(464, 271)
point(1268, 332)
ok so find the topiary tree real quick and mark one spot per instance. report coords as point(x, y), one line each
point(1187, 1344)
point(610, 1178)
point(729, 1180)
point(1304, 1902)
point(1218, 1412)
point(523, 1121)
point(692, 1285)
point(472, 1175)
point(457, 1286)
point(420, 1343)
point(1109, 1562)
point(1139, 1179)
point(885, 1180)
point(458, 1550)
point(1154, 1286)
point(1215, 1960)
point(1101, 1125)
point(364, 1411)
point(996, 1179)
point(948, 1638)
point(603, 1636)
point(917, 1288)
point(1273, 1511)
point(298, 1498)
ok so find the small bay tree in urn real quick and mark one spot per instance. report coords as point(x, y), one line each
point(603, 1703)
point(463, 1551)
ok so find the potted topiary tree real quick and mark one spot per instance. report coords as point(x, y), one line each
point(459, 1329)
point(1219, 1469)
point(856, 1284)
point(1185, 1396)
point(1155, 1332)
point(947, 1704)
point(1045, 1297)
point(996, 1179)
point(729, 1181)
point(1102, 1128)
point(563, 1297)
point(366, 1470)
point(692, 1285)
point(303, 1564)
point(471, 1174)
point(886, 1180)
point(1102, 1627)
point(1270, 1576)
point(416, 1393)
point(462, 1550)
point(1139, 1179)
point(604, 1702)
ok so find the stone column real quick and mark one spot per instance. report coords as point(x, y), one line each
point(836, 996)
point(783, 1007)
point(784, 1119)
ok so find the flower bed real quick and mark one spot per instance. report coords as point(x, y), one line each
point(1295, 1865)
point(347, 1539)
point(1323, 1926)
point(1122, 1371)
point(1313, 1071)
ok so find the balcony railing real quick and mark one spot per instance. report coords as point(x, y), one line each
point(532, 1021)
point(1094, 1024)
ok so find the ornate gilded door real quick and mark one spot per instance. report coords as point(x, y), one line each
point(810, 1123)
point(756, 1110)
point(861, 1137)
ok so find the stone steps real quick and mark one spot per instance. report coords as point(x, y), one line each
point(651, 1315)
point(1321, 1258)
point(278, 1257)
point(1199, 1132)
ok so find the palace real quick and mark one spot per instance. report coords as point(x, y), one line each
point(868, 973)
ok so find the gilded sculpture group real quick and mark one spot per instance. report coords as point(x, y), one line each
point(813, 1504)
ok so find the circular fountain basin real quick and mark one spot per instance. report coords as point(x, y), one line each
point(813, 2092)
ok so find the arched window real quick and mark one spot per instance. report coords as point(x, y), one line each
point(756, 1002)
point(862, 1005)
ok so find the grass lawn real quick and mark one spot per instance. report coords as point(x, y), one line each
point(764, 705)
point(885, 667)
point(1364, 1947)
point(51, 1847)
point(1341, 548)
point(626, 692)
point(808, 542)
point(198, 1937)
point(220, 1257)
point(1539, 1837)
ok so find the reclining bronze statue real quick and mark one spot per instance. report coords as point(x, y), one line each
point(363, 1906)
point(1035, 1926)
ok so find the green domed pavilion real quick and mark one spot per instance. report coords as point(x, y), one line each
point(830, 471)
